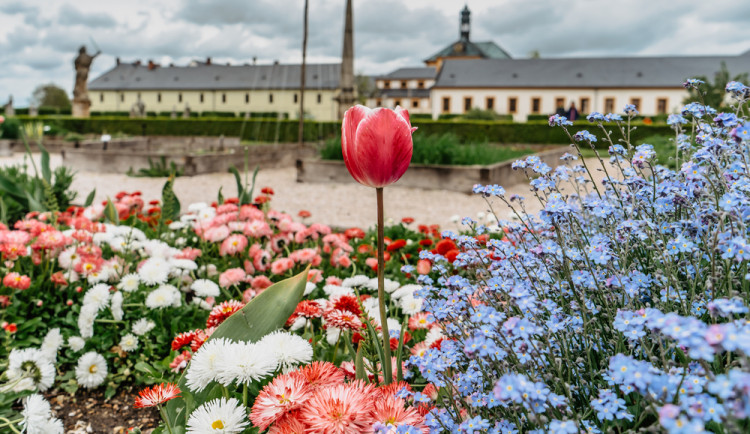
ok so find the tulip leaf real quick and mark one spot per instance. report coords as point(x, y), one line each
point(359, 366)
point(110, 212)
point(264, 314)
point(89, 199)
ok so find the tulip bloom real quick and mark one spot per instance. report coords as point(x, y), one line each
point(377, 148)
point(376, 144)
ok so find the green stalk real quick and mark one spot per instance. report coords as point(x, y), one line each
point(387, 374)
point(163, 413)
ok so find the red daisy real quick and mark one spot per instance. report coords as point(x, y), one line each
point(419, 321)
point(345, 302)
point(223, 311)
point(289, 424)
point(159, 394)
point(343, 319)
point(284, 394)
point(183, 339)
point(391, 410)
point(395, 245)
point(321, 374)
point(346, 408)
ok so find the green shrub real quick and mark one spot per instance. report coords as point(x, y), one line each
point(10, 129)
point(422, 116)
point(444, 149)
point(210, 114)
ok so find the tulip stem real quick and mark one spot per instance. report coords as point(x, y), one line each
point(387, 370)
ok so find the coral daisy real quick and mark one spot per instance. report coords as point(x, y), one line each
point(284, 394)
point(159, 394)
point(342, 409)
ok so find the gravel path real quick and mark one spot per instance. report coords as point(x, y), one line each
point(340, 205)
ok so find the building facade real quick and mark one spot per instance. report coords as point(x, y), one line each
point(405, 87)
point(205, 87)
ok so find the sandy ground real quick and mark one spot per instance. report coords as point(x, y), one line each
point(340, 205)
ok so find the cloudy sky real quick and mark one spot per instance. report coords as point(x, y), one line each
point(39, 38)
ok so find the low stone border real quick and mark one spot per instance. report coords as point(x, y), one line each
point(431, 177)
point(119, 160)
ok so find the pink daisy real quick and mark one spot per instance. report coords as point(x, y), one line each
point(342, 409)
point(281, 396)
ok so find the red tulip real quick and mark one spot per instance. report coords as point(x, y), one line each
point(376, 144)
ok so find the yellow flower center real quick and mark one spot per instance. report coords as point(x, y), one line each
point(218, 424)
point(93, 369)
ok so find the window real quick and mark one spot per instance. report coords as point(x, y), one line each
point(559, 102)
point(158, 97)
point(420, 84)
point(490, 103)
point(247, 98)
point(122, 97)
point(224, 98)
point(295, 97)
point(320, 98)
point(446, 104)
point(584, 106)
point(179, 97)
point(536, 105)
point(661, 106)
point(636, 102)
point(396, 102)
point(467, 103)
point(415, 103)
point(609, 105)
point(201, 97)
point(386, 85)
point(101, 96)
point(379, 102)
point(403, 85)
point(270, 98)
point(512, 105)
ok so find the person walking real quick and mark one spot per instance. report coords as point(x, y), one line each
point(573, 112)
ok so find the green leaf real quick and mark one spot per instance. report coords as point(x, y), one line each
point(266, 313)
point(170, 208)
point(3, 211)
point(144, 367)
point(219, 196)
point(46, 171)
point(90, 198)
point(110, 212)
point(359, 365)
point(34, 204)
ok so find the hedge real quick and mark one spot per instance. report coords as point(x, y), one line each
point(268, 130)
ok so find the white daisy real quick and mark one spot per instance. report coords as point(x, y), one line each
point(100, 238)
point(143, 326)
point(202, 369)
point(355, 281)
point(99, 276)
point(68, 257)
point(205, 288)
point(91, 370)
point(37, 416)
point(197, 206)
point(332, 335)
point(184, 264)
point(163, 296)
point(334, 290)
point(116, 306)
point(245, 363)
point(289, 349)
point(129, 282)
point(154, 271)
point(177, 225)
point(372, 308)
point(76, 343)
point(129, 342)
point(29, 369)
point(97, 295)
point(405, 290)
point(433, 335)
point(411, 305)
point(218, 416)
point(298, 324)
point(388, 285)
point(86, 320)
point(309, 287)
point(51, 343)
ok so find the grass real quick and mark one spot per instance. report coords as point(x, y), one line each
point(444, 149)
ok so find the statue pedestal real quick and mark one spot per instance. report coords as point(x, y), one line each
point(81, 108)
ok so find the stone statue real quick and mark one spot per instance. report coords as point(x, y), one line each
point(81, 101)
point(138, 110)
point(9, 110)
point(174, 113)
point(186, 113)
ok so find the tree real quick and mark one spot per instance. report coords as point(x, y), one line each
point(365, 87)
point(50, 95)
point(713, 94)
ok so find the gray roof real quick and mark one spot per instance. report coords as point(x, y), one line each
point(611, 72)
point(410, 73)
point(210, 77)
point(403, 93)
point(466, 48)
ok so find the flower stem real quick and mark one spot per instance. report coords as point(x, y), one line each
point(163, 413)
point(387, 371)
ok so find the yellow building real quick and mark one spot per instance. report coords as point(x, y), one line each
point(207, 87)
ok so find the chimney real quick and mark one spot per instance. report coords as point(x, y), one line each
point(151, 65)
point(137, 63)
point(117, 61)
point(208, 60)
point(275, 62)
point(255, 60)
